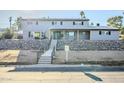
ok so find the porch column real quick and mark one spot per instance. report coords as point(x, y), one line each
point(63, 32)
point(77, 35)
point(49, 34)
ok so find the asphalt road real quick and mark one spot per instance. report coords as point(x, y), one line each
point(62, 74)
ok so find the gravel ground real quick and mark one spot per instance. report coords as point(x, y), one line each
point(18, 56)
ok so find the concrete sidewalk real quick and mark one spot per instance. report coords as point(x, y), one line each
point(68, 68)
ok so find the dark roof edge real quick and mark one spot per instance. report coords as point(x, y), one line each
point(56, 19)
point(89, 29)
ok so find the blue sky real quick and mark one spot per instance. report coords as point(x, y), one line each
point(95, 16)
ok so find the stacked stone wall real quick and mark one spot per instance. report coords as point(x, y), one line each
point(91, 45)
point(11, 44)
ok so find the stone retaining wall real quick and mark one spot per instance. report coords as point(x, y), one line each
point(24, 44)
point(74, 45)
point(91, 45)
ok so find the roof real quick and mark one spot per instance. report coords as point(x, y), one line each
point(56, 19)
point(79, 27)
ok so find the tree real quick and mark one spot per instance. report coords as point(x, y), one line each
point(82, 14)
point(10, 21)
point(115, 21)
point(17, 24)
point(8, 34)
point(122, 30)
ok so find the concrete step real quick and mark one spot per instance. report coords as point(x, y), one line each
point(44, 62)
point(45, 59)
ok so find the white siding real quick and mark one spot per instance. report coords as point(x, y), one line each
point(94, 35)
point(43, 26)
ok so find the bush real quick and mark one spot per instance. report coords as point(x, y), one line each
point(19, 37)
point(0, 35)
point(8, 34)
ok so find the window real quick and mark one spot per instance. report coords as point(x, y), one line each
point(36, 22)
point(108, 32)
point(100, 32)
point(71, 34)
point(52, 23)
point(61, 23)
point(37, 35)
point(73, 23)
point(42, 34)
point(55, 22)
point(84, 33)
point(29, 34)
point(98, 24)
point(82, 23)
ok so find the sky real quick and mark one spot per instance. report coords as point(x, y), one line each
point(95, 16)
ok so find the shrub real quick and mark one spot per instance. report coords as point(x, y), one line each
point(19, 37)
point(8, 34)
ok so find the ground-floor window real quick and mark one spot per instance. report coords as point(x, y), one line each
point(57, 35)
point(37, 35)
point(108, 32)
point(29, 34)
point(84, 35)
point(104, 32)
point(70, 35)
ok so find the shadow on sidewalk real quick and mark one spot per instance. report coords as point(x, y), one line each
point(93, 77)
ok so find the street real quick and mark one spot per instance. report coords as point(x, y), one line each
point(73, 74)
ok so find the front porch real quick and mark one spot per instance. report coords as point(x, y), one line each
point(70, 34)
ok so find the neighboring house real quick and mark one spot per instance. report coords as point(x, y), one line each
point(65, 28)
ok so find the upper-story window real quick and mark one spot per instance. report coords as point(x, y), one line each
point(73, 23)
point(61, 23)
point(82, 23)
point(55, 22)
point(52, 23)
point(36, 22)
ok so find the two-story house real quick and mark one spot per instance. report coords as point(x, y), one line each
point(65, 28)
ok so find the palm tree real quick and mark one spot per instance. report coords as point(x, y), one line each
point(10, 20)
point(18, 22)
point(82, 14)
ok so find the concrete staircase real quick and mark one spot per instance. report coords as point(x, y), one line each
point(47, 57)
